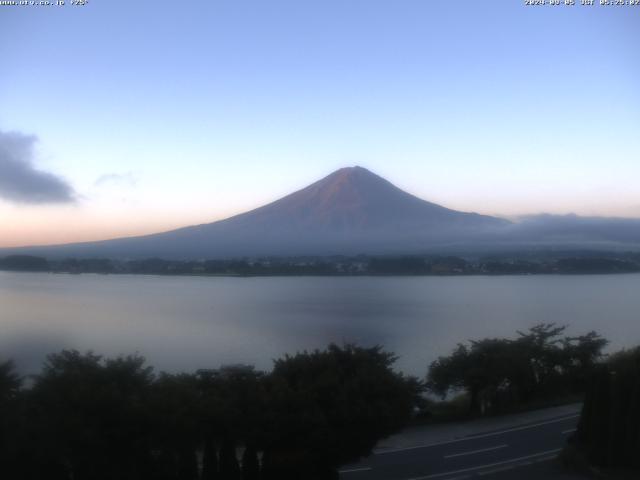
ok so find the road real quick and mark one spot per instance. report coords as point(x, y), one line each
point(521, 450)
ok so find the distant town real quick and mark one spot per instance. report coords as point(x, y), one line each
point(514, 264)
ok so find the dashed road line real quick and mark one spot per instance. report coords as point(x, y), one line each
point(354, 470)
point(475, 437)
point(488, 449)
point(549, 454)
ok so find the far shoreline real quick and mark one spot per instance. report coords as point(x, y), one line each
point(520, 264)
point(310, 275)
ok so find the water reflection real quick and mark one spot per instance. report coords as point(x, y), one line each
point(194, 322)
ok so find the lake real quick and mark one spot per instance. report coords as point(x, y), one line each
point(185, 323)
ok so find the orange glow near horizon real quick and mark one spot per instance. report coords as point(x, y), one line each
point(50, 233)
point(59, 227)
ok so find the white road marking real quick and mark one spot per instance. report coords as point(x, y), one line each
point(353, 470)
point(571, 430)
point(489, 465)
point(488, 449)
point(475, 437)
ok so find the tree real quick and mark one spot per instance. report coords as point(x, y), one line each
point(174, 406)
point(331, 407)
point(498, 372)
point(581, 355)
point(90, 415)
point(10, 383)
point(92, 418)
point(488, 369)
point(250, 463)
point(609, 427)
point(542, 346)
point(231, 412)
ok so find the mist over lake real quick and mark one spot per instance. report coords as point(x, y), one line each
point(185, 323)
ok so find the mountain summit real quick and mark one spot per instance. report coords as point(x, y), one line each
point(350, 211)
point(353, 199)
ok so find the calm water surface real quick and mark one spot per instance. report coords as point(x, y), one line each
point(199, 322)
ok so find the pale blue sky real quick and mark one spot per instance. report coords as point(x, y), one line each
point(207, 109)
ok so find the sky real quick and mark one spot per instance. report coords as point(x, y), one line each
point(123, 118)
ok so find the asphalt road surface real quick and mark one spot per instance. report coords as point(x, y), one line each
point(525, 451)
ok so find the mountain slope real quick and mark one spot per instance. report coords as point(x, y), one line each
point(354, 199)
point(348, 212)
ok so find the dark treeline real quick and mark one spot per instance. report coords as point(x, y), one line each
point(88, 417)
point(25, 263)
point(578, 263)
point(84, 417)
point(609, 429)
point(498, 374)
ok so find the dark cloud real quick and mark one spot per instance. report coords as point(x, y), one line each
point(21, 181)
